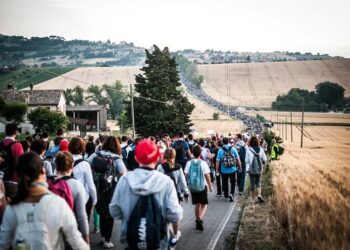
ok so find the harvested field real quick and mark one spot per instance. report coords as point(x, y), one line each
point(309, 117)
point(258, 84)
point(201, 116)
point(312, 188)
point(92, 75)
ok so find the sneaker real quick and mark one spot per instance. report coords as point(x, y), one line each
point(178, 234)
point(199, 225)
point(96, 231)
point(218, 195)
point(230, 198)
point(172, 242)
point(261, 200)
point(107, 244)
point(240, 193)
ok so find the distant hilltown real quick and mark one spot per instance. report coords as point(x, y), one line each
point(57, 51)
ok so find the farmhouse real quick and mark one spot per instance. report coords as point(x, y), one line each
point(82, 117)
point(87, 117)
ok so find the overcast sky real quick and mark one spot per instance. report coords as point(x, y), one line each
point(236, 25)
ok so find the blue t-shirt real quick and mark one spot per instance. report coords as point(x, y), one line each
point(220, 156)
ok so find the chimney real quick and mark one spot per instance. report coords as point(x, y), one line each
point(31, 86)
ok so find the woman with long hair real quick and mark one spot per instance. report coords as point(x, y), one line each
point(110, 152)
point(255, 158)
point(175, 172)
point(64, 165)
point(34, 198)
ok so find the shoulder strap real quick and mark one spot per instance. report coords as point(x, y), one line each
point(78, 161)
point(253, 151)
point(224, 148)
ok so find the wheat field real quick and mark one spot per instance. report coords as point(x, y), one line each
point(312, 188)
point(258, 84)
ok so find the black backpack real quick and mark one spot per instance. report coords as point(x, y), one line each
point(180, 151)
point(146, 225)
point(104, 173)
point(125, 154)
point(8, 165)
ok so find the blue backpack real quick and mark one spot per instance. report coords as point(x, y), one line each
point(196, 182)
point(52, 152)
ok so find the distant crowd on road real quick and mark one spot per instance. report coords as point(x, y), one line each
point(253, 125)
point(50, 189)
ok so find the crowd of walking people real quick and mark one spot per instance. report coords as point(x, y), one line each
point(252, 124)
point(49, 190)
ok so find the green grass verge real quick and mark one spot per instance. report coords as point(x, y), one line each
point(22, 78)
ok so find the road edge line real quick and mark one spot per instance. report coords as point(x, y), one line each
point(220, 229)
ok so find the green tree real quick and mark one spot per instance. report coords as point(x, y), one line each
point(96, 95)
point(160, 108)
point(216, 115)
point(14, 111)
point(47, 120)
point(115, 98)
point(331, 94)
point(75, 96)
point(78, 97)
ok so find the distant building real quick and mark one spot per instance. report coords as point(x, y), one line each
point(51, 99)
point(87, 117)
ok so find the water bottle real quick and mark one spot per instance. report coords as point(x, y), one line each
point(21, 244)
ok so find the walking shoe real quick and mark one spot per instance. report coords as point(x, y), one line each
point(240, 193)
point(96, 231)
point(261, 200)
point(230, 198)
point(107, 244)
point(218, 195)
point(199, 225)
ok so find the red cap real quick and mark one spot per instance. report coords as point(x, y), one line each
point(146, 152)
point(64, 145)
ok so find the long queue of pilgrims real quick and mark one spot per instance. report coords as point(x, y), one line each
point(51, 189)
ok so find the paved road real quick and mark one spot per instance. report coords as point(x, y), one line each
point(221, 220)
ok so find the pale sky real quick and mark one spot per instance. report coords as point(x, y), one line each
point(236, 25)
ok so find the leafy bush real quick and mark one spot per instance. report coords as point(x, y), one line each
point(47, 120)
point(14, 111)
point(260, 118)
point(216, 115)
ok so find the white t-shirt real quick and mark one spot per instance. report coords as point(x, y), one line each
point(204, 166)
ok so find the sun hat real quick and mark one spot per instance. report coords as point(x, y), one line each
point(64, 145)
point(146, 152)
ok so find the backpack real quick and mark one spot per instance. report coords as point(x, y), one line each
point(228, 161)
point(31, 228)
point(51, 153)
point(280, 150)
point(241, 153)
point(125, 154)
point(8, 165)
point(256, 167)
point(104, 173)
point(196, 182)
point(60, 187)
point(180, 151)
point(146, 225)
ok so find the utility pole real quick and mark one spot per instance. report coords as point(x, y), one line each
point(286, 128)
point(132, 111)
point(302, 125)
point(291, 127)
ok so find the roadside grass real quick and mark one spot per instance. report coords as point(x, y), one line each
point(259, 228)
point(23, 77)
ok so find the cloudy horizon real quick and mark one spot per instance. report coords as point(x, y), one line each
point(235, 25)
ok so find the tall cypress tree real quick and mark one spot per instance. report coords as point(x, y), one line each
point(159, 82)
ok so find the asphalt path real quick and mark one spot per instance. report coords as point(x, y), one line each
point(221, 220)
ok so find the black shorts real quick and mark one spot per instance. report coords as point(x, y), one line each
point(200, 197)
